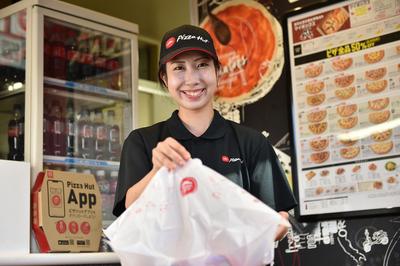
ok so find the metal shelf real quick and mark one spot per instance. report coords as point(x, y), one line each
point(81, 87)
point(80, 162)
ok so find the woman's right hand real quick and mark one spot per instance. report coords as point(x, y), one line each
point(169, 153)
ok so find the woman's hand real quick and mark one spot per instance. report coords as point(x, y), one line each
point(169, 153)
point(282, 229)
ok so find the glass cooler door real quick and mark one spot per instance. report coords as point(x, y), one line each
point(12, 86)
point(87, 103)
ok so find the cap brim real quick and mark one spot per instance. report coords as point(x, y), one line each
point(177, 52)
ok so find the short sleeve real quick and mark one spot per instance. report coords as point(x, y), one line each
point(134, 165)
point(268, 180)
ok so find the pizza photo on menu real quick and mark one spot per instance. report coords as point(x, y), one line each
point(376, 86)
point(343, 81)
point(375, 74)
point(319, 144)
point(316, 116)
point(346, 110)
point(345, 93)
point(379, 117)
point(333, 21)
point(378, 104)
point(341, 64)
point(313, 70)
point(382, 136)
point(374, 57)
point(314, 87)
point(252, 57)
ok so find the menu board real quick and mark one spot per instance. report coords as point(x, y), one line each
point(345, 76)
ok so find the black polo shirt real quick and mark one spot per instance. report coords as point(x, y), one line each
point(241, 154)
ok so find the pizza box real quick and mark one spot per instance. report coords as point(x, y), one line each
point(66, 212)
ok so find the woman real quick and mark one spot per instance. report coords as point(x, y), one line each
point(188, 67)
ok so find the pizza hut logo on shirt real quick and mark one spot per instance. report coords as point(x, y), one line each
point(226, 159)
point(170, 42)
point(188, 185)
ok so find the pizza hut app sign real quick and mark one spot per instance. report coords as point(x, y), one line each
point(66, 211)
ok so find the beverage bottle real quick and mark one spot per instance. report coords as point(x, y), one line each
point(73, 56)
point(47, 148)
point(85, 137)
point(86, 57)
point(100, 62)
point(71, 130)
point(16, 135)
point(47, 51)
point(114, 146)
point(113, 181)
point(58, 53)
point(100, 132)
point(57, 129)
point(114, 67)
point(102, 182)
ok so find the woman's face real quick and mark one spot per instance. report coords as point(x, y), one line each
point(191, 80)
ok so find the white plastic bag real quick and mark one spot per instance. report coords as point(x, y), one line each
point(194, 216)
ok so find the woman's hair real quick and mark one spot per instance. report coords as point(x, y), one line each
point(162, 71)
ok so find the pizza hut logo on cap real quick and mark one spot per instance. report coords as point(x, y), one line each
point(170, 42)
point(188, 185)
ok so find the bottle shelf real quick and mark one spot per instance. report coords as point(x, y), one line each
point(80, 162)
point(81, 87)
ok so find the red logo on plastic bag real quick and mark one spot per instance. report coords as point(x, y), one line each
point(188, 185)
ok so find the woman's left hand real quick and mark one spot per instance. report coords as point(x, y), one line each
point(282, 229)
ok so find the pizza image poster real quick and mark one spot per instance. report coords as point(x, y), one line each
point(345, 75)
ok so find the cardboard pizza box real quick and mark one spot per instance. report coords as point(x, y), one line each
point(66, 212)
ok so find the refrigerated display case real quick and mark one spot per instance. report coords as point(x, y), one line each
point(68, 80)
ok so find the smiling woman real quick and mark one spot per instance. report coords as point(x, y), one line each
point(188, 68)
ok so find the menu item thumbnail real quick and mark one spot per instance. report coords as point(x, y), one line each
point(375, 74)
point(382, 147)
point(348, 142)
point(348, 122)
point(310, 175)
point(378, 104)
point(319, 144)
point(376, 86)
point(382, 136)
point(316, 116)
point(334, 21)
point(313, 70)
point(341, 64)
point(344, 81)
point(315, 100)
point(314, 87)
point(346, 110)
point(390, 166)
point(349, 152)
point(379, 117)
point(318, 128)
point(319, 157)
point(374, 57)
point(345, 93)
